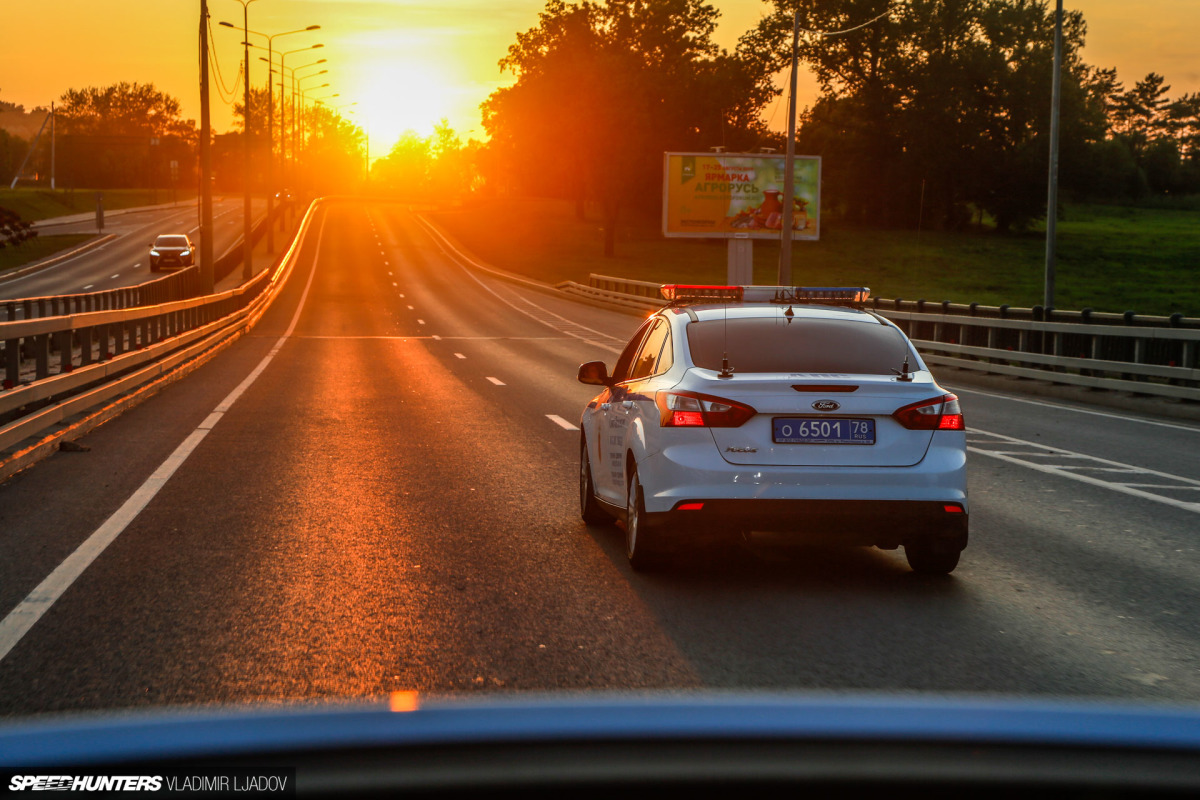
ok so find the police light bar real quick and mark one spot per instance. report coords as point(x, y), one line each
point(809, 295)
point(681, 293)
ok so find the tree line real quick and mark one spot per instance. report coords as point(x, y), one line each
point(930, 113)
point(936, 114)
point(131, 134)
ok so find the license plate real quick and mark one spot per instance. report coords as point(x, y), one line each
point(799, 430)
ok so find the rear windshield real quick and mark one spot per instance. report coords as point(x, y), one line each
point(171, 241)
point(803, 345)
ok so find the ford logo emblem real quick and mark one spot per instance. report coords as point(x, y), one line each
point(826, 405)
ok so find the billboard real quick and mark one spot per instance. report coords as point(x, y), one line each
point(738, 195)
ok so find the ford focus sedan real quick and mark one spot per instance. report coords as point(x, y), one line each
point(741, 409)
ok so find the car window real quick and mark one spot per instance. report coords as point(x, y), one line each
point(171, 241)
point(803, 345)
point(621, 370)
point(646, 361)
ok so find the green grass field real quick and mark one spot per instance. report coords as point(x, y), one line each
point(1109, 258)
point(42, 246)
point(35, 204)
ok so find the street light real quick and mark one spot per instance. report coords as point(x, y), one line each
point(282, 78)
point(283, 66)
point(271, 122)
point(247, 262)
point(300, 119)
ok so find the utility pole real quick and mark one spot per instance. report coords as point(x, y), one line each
point(53, 145)
point(789, 168)
point(247, 247)
point(207, 268)
point(1052, 190)
point(270, 144)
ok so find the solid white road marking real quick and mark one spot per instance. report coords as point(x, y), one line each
point(497, 381)
point(1072, 470)
point(436, 338)
point(18, 622)
point(560, 323)
point(1059, 406)
point(562, 423)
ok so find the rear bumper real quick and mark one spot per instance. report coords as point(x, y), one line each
point(862, 504)
point(886, 523)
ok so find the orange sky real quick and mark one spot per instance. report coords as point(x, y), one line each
point(407, 63)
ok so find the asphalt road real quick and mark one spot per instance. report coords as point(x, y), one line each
point(392, 505)
point(125, 261)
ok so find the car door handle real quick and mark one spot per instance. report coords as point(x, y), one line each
point(606, 406)
point(627, 404)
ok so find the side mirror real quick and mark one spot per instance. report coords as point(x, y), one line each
point(595, 373)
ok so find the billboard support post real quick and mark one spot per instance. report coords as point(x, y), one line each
point(740, 269)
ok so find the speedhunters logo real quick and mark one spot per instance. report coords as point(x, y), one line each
point(85, 783)
point(210, 783)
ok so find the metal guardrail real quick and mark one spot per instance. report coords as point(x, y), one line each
point(175, 286)
point(103, 353)
point(1123, 352)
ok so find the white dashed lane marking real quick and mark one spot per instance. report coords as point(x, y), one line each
point(562, 423)
point(497, 381)
point(459, 355)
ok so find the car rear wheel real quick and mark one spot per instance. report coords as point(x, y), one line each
point(643, 547)
point(932, 556)
point(589, 506)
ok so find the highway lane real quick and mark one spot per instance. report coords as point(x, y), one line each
point(392, 505)
point(124, 261)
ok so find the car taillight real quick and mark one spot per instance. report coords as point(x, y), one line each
point(689, 409)
point(939, 414)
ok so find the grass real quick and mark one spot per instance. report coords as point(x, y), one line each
point(1110, 258)
point(34, 204)
point(42, 246)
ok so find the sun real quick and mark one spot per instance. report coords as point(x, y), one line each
point(403, 97)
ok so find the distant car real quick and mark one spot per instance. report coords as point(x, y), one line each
point(747, 409)
point(173, 250)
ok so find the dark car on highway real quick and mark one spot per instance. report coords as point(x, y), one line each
point(174, 250)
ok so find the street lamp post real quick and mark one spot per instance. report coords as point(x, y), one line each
point(271, 124)
point(282, 67)
point(298, 121)
point(206, 224)
point(247, 260)
point(283, 78)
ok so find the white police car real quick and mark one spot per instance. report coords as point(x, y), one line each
point(765, 408)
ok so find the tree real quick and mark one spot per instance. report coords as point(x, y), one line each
point(333, 153)
point(123, 109)
point(405, 170)
point(948, 96)
point(126, 134)
point(604, 88)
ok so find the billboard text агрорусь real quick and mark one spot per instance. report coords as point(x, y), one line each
point(735, 195)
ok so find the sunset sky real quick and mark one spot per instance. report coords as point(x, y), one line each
point(408, 63)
